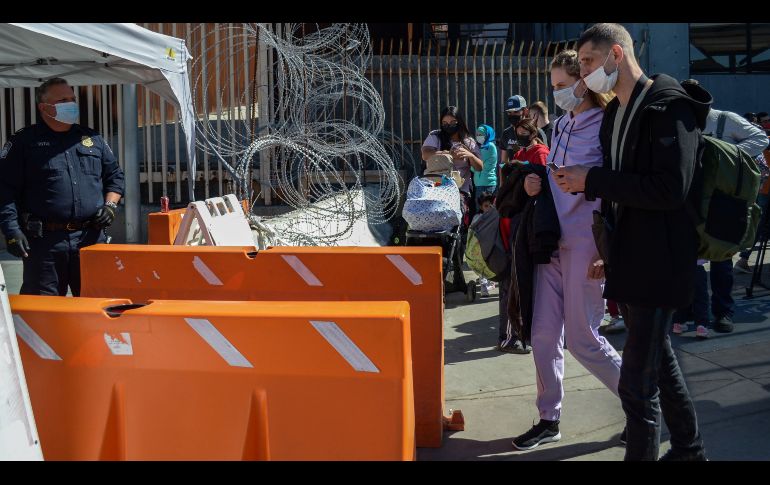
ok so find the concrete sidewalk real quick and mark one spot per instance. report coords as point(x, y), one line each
point(728, 376)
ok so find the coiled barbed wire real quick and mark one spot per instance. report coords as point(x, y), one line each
point(325, 129)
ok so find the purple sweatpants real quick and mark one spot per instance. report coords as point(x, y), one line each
point(569, 304)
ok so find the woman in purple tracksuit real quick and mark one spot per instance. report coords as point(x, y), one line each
point(568, 291)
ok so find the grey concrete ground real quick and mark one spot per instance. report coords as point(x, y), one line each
point(728, 376)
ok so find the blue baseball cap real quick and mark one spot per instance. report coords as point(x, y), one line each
point(515, 103)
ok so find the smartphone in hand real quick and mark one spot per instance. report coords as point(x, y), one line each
point(553, 166)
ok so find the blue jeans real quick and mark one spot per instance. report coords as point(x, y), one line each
point(722, 303)
point(698, 311)
point(480, 189)
point(651, 382)
point(762, 201)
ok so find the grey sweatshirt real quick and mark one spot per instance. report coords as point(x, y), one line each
point(738, 131)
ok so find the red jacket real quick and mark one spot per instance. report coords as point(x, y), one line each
point(535, 155)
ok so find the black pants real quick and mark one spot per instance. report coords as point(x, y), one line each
point(650, 382)
point(698, 311)
point(506, 335)
point(722, 303)
point(53, 264)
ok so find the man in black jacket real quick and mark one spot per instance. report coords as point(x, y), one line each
point(651, 141)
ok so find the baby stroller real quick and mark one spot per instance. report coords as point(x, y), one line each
point(437, 214)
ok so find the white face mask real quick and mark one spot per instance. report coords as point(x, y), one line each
point(481, 139)
point(601, 82)
point(566, 99)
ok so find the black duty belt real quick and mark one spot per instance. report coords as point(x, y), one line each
point(66, 226)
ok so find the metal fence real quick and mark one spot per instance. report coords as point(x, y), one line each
point(414, 84)
point(477, 77)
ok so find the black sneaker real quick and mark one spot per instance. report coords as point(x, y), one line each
point(515, 347)
point(686, 455)
point(623, 436)
point(723, 324)
point(543, 432)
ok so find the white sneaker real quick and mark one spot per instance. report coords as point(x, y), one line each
point(679, 328)
point(702, 332)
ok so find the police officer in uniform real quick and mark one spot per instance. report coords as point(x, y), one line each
point(59, 188)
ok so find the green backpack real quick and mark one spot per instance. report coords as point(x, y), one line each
point(475, 258)
point(727, 216)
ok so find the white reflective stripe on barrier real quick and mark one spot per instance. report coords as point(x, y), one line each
point(31, 338)
point(206, 272)
point(218, 342)
point(346, 347)
point(406, 268)
point(302, 270)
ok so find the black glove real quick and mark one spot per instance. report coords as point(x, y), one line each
point(104, 216)
point(18, 245)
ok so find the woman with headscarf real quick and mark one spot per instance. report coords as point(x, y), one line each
point(485, 179)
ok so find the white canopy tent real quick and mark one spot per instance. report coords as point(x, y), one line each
point(92, 54)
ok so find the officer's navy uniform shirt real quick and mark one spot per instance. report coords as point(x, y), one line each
point(55, 176)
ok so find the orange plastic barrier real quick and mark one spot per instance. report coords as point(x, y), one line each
point(202, 380)
point(411, 274)
point(163, 226)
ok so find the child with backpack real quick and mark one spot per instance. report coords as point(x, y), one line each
point(485, 201)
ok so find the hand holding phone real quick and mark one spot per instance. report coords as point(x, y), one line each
point(553, 166)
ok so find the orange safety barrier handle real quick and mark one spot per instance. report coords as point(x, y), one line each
point(209, 380)
point(163, 226)
point(411, 274)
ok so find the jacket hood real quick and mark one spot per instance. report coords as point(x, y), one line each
point(537, 148)
point(490, 134)
point(667, 89)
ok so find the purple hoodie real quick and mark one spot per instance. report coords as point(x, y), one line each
point(576, 142)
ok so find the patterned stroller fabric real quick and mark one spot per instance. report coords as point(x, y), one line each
point(430, 207)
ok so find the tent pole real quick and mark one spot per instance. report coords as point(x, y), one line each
point(131, 164)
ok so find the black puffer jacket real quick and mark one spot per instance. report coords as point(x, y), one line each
point(535, 234)
point(654, 244)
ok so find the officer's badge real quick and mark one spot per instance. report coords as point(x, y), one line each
point(6, 148)
point(87, 141)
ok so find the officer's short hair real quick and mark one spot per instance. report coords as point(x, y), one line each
point(43, 88)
